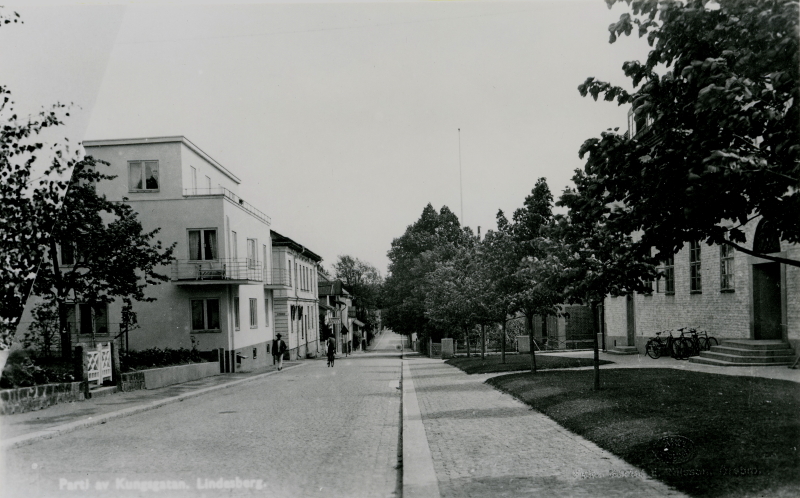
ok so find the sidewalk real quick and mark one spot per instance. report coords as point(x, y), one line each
point(780, 372)
point(24, 428)
point(485, 443)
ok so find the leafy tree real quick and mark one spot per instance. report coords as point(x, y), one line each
point(584, 260)
point(113, 257)
point(432, 238)
point(28, 204)
point(454, 291)
point(364, 282)
point(718, 97)
point(499, 263)
point(530, 292)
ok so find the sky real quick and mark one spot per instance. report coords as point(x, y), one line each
point(342, 119)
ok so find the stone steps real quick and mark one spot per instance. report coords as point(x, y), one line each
point(747, 353)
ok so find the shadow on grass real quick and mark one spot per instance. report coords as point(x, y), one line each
point(518, 362)
point(741, 433)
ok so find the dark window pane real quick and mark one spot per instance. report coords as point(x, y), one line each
point(210, 244)
point(86, 318)
point(151, 175)
point(67, 254)
point(198, 323)
point(213, 313)
point(194, 244)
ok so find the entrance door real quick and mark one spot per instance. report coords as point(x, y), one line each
point(767, 301)
point(631, 320)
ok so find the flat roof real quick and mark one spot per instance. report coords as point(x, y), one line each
point(279, 240)
point(161, 140)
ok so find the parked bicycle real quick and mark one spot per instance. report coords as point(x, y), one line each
point(696, 341)
point(657, 345)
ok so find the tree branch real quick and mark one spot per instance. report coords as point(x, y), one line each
point(777, 259)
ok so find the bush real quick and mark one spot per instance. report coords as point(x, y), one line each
point(157, 357)
point(23, 369)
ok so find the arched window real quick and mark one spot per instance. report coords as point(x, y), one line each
point(766, 240)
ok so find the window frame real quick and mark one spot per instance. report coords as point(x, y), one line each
point(236, 315)
point(266, 312)
point(727, 255)
point(252, 262)
point(142, 163)
point(667, 269)
point(206, 315)
point(695, 268)
point(253, 313)
point(202, 235)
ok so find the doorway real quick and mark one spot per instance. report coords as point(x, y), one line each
point(631, 316)
point(767, 301)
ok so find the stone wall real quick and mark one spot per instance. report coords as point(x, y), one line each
point(26, 399)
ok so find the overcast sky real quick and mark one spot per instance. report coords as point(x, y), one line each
point(341, 119)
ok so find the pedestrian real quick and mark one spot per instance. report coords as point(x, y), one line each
point(278, 349)
point(331, 351)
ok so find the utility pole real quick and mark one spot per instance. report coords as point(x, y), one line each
point(460, 178)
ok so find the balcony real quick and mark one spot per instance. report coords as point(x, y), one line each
point(277, 279)
point(223, 192)
point(218, 271)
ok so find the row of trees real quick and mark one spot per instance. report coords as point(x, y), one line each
point(719, 93)
point(364, 282)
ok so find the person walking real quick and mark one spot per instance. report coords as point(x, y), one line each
point(278, 349)
point(331, 351)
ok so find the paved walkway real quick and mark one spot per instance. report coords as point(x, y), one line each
point(486, 443)
point(66, 416)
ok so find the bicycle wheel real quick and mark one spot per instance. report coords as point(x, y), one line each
point(712, 342)
point(704, 344)
point(653, 349)
point(678, 349)
point(688, 348)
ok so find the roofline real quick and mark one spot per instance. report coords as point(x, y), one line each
point(287, 242)
point(161, 140)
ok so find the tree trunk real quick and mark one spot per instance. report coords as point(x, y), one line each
point(483, 342)
point(503, 344)
point(63, 329)
point(466, 337)
point(529, 324)
point(596, 331)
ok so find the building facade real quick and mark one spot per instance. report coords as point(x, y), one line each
point(218, 297)
point(295, 295)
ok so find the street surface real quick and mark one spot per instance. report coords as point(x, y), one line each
point(308, 431)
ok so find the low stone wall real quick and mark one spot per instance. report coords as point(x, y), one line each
point(131, 381)
point(27, 399)
point(167, 376)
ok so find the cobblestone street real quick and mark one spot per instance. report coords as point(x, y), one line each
point(485, 443)
point(308, 431)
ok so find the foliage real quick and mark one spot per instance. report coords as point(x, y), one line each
point(454, 291)
point(42, 333)
point(113, 257)
point(364, 282)
point(433, 238)
point(24, 370)
point(28, 205)
point(157, 357)
point(721, 87)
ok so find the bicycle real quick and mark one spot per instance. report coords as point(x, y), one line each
point(655, 346)
point(706, 341)
point(696, 342)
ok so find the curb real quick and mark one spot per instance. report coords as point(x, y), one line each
point(58, 430)
point(419, 476)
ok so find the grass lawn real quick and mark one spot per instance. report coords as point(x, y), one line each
point(744, 432)
point(516, 362)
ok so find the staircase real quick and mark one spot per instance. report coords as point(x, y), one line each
point(747, 353)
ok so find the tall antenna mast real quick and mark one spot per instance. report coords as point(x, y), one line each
point(460, 177)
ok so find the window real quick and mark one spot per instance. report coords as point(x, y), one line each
point(266, 312)
point(236, 313)
point(251, 253)
point(93, 319)
point(203, 244)
point(234, 244)
point(667, 283)
point(205, 314)
point(253, 313)
point(143, 176)
point(726, 267)
point(295, 275)
point(68, 254)
point(695, 280)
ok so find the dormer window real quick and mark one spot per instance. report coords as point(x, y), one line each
point(143, 176)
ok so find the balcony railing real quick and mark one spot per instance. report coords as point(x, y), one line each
point(222, 191)
point(277, 277)
point(218, 269)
